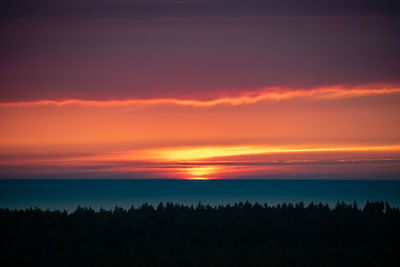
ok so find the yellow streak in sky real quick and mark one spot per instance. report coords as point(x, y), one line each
point(198, 153)
point(192, 154)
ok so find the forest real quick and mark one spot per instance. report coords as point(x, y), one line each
point(241, 234)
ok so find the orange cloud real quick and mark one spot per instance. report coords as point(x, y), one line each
point(261, 95)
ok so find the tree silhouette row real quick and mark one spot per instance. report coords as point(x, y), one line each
point(243, 234)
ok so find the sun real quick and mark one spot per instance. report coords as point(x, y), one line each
point(199, 178)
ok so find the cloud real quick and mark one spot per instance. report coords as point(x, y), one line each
point(262, 95)
point(187, 8)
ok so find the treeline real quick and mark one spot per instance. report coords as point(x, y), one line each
point(242, 234)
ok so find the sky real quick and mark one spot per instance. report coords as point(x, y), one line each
point(190, 89)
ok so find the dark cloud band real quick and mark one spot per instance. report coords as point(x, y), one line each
point(167, 8)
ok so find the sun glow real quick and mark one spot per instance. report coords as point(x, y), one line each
point(201, 171)
point(199, 178)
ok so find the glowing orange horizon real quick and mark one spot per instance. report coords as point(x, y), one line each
point(319, 130)
point(205, 163)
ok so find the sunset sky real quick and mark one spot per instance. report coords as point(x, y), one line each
point(189, 89)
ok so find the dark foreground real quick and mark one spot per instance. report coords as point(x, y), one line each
point(173, 235)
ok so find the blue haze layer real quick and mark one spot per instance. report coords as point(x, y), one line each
point(68, 194)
